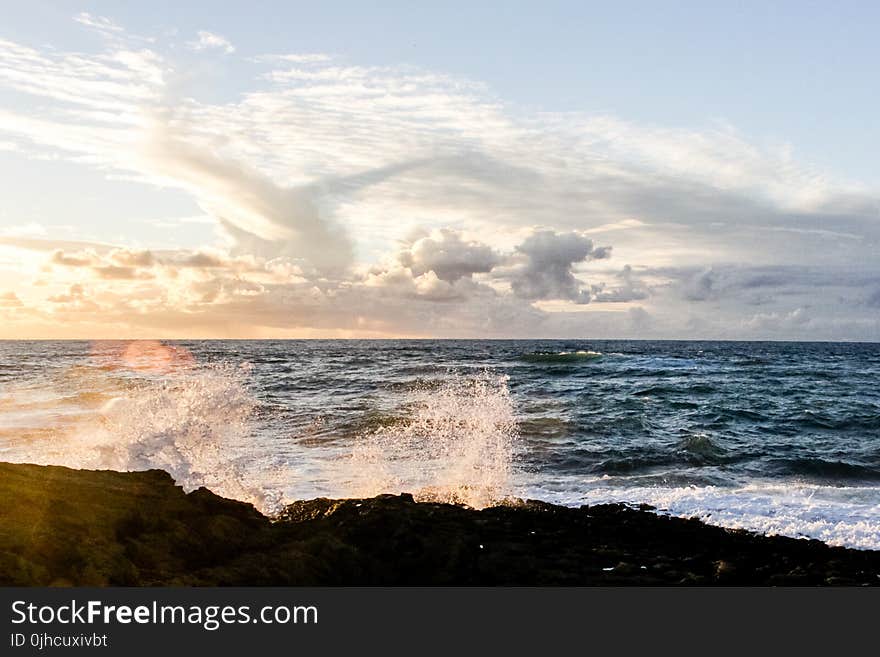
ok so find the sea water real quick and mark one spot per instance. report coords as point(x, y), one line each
point(781, 438)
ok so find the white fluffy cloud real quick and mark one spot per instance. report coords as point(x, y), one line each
point(448, 255)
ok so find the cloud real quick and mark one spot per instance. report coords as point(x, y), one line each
point(202, 260)
point(118, 264)
point(263, 217)
point(212, 294)
point(75, 293)
point(400, 282)
point(546, 268)
point(701, 286)
point(728, 281)
point(115, 272)
point(10, 300)
point(639, 318)
point(316, 171)
point(294, 58)
point(628, 288)
point(539, 268)
point(796, 319)
point(224, 289)
point(82, 259)
point(210, 41)
point(448, 255)
point(100, 23)
point(132, 258)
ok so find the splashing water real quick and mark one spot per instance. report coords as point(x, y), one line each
point(194, 425)
point(193, 422)
point(198, 422)
point(455, 447)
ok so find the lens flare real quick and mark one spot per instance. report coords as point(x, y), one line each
point(154, 357)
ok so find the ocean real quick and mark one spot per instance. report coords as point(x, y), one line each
point(780, 438)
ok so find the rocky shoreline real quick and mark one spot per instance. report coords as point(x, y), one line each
point(60, 527)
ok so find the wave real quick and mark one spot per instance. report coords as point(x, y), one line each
point(671, 389)
point(822, 469)
point(192, 423)
point(701, 448)
point(622, 465)
point(691, 451)
point(455, 445)
point(560, 356)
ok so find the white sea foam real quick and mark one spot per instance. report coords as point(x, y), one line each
point(847, 516)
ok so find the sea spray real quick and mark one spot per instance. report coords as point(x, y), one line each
point(194, 422)
point(455, 446)
point(194, 425)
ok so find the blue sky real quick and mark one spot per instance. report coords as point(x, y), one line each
point(798, 72)
point(511, 169)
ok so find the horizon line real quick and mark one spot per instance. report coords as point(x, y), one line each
point(437, 339)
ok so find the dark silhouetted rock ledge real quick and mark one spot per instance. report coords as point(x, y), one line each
point(75, 527)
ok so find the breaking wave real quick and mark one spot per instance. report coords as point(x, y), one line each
point(455, 445)
point(193, 423)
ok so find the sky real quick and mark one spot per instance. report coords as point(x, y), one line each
point(488, 170)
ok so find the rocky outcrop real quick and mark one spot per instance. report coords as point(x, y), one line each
point(74, 527)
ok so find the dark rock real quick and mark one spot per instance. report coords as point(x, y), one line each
point(624, 568)
point(73, 527)
point(725, 570)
